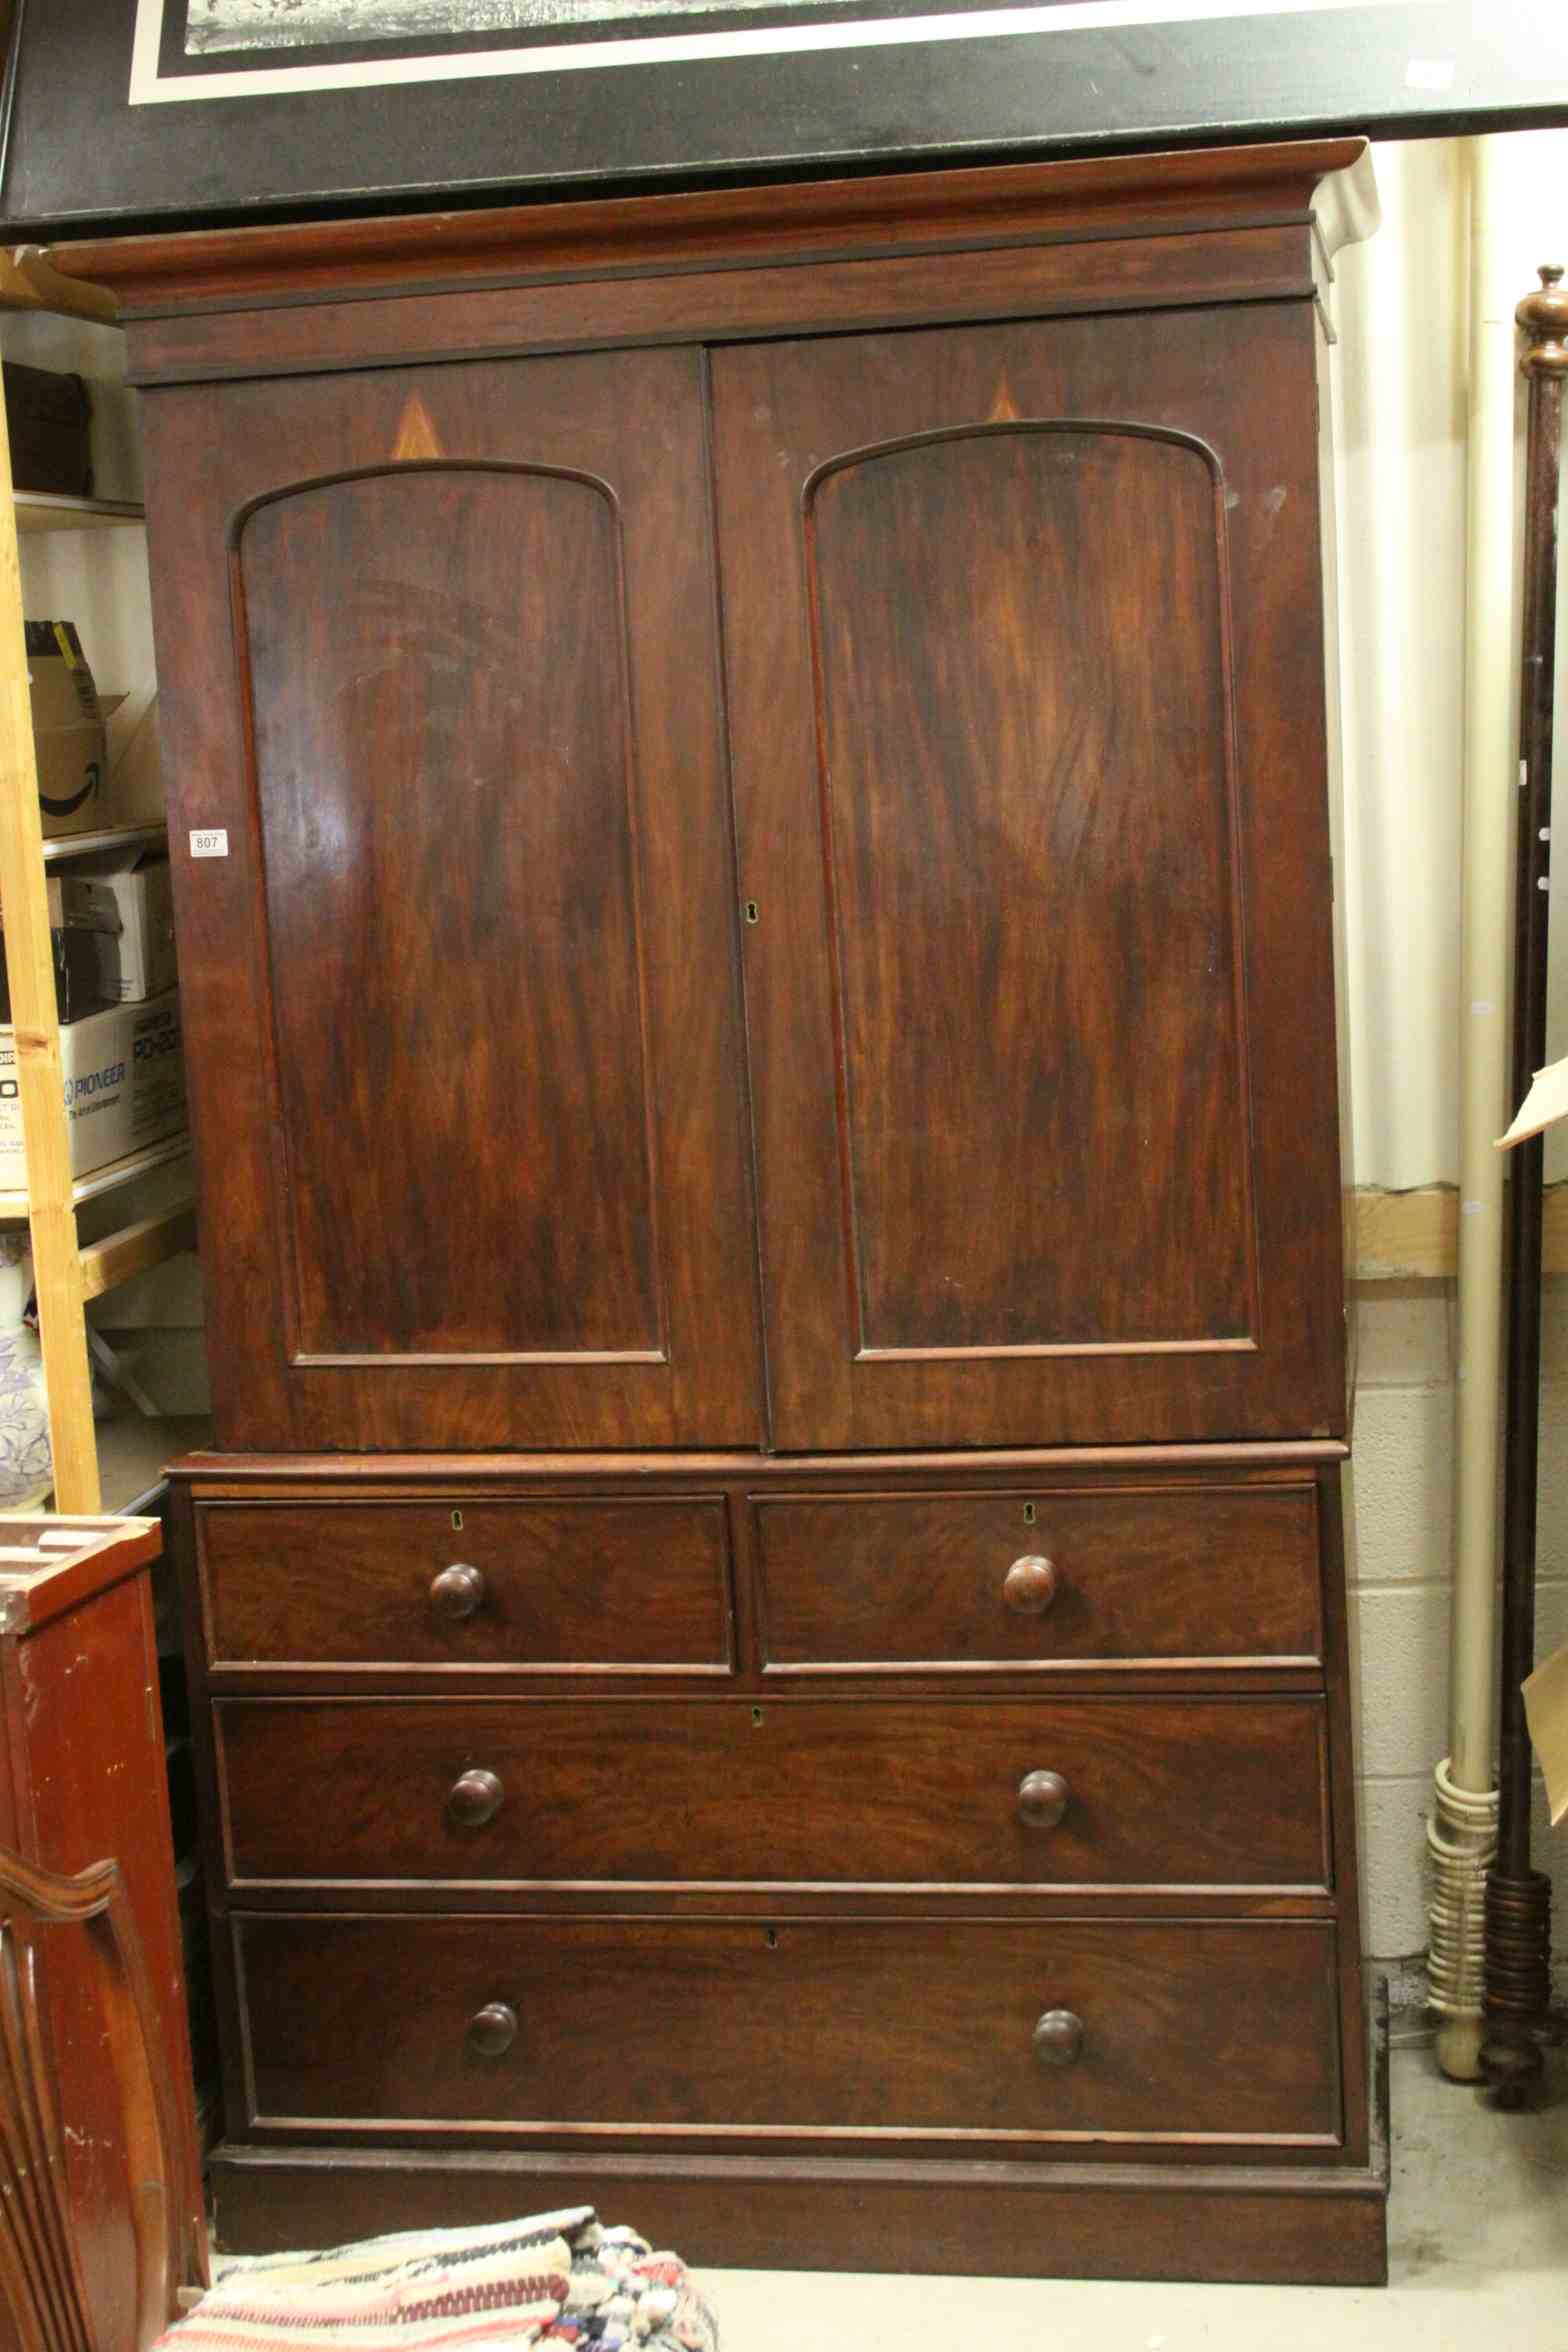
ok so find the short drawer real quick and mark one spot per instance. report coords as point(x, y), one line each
point(544, 1585)
point(1171, 1792)
point(1129, 1575)
point(1159, 2032)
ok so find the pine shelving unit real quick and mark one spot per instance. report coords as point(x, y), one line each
point(110, 1465)
point(113, 837)
point(48, 510)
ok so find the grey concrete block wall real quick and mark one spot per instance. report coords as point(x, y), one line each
point(1402, 1587)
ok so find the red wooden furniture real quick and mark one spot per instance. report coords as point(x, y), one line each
point(80, 1933)
point(82, 1779)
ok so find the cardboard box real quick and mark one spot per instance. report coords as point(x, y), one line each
point(124, 1086)
point(68, 731)
point(77, 990)
point(134, 792)
point(121, 897)
point(1546, 1690)
point(48, 417)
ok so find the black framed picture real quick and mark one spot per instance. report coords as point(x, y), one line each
point(178, 112)
point(188, 48)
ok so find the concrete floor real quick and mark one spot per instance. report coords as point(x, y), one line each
point(1478, 2246)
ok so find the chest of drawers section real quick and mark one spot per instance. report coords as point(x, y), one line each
point(734, 1810)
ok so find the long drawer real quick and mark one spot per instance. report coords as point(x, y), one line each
point(1054, 1574)
point(553, 1583)
point(1080, 1791)
point(1156, 2031)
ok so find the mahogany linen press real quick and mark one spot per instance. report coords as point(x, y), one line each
point(750, 801)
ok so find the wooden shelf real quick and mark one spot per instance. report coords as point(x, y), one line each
point(136, 1163)
point(48, 510)
point(29, 282)
point(71, 845)
point(132, 1249)
point(134, 1450)
point(14, 1204)
point(68, 1272)
point(1414, 1236)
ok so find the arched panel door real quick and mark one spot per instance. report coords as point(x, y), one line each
point(1021, 817)
point(446, 804)
point(468, 1064)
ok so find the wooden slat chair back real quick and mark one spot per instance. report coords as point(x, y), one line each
point(40, 2270)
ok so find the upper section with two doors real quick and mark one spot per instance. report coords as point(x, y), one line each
point(777, 875)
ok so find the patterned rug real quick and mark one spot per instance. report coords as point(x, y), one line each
point(557, 2279)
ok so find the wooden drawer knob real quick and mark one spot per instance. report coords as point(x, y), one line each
point(1042, 1799)
point(493, 2031)
point(1058, 2038)
point(1029, 1587)
point(458, 1592)
point(475, 1798)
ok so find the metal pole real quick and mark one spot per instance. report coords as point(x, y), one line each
point(1518, 1899)
point(1462, 1830)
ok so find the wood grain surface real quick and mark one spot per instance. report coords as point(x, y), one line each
point(867, 761)
point(1284, 2222)
point(592, 1583)
point(651, 2031)
point(1147, 1574)
point(84, 1781)
point(437, 674)
point(461, 1000)
point(1171, 1792)
point(727, 304)
point(1011, 757)
point(1229, 188)
point(1022, 713)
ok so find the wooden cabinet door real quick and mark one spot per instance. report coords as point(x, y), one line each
point(1024, 650)
point(461, 996)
